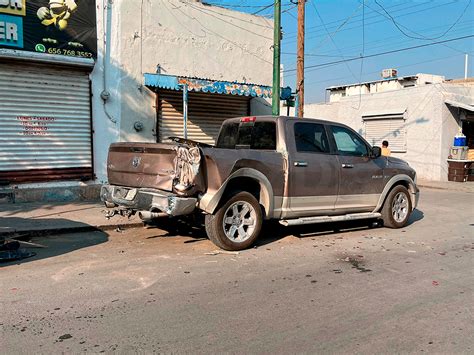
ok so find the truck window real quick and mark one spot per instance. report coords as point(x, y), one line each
point(311, 137)
point(252, 135)
point(264, 136)
point(348, 143)
point(228, 135)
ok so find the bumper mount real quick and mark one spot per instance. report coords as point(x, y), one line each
point(145, 199)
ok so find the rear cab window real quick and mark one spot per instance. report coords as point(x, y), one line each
point(259, 135)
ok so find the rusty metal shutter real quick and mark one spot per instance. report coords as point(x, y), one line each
point(206, 112)
point(45, 123)
point(391, 129)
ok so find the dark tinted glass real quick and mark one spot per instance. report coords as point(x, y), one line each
point(258, 135)
point(228, 135)
point(349, 143)
point(264, 136)
point(311, 137)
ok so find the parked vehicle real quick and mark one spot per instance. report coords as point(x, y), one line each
point(298, 171)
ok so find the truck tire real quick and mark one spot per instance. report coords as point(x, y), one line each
point(397, 208)
point(236, 224)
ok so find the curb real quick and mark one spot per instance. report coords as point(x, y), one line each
point(450, 188)
point(26, 234)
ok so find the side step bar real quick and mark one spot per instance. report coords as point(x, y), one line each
point(325, 219)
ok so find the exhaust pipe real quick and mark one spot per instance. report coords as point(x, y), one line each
point(147, 215)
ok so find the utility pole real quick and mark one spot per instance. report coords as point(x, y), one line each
point(276, 59)
point(300, 59)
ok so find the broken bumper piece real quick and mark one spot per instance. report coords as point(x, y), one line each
point(145, 199)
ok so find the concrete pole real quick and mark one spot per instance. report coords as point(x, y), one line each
point(276, 59)
point(466, 58)
point(185, 111)
point(300, 59)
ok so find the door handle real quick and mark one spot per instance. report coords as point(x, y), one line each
point(300, 163)
point(347, 166)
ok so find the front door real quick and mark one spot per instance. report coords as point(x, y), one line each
point(361, 177)
point(313, 170)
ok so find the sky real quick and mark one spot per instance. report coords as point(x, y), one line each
point(338, 30)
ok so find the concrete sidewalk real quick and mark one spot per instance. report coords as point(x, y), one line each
point(60, 217)
point(56, 217)
point(447, 185)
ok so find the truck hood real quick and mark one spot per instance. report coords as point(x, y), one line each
point(396, 161)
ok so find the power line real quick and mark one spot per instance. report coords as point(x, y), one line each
point(382, 42)
point(422, 38)
point(206, 9)
point(330, 35)
point(386, 15)
point(207, 30)
point(266, 7)
point(336, 22)
point(401, 15)
point(235, 5)
point(378, 71)
point(229, 23)
point(382, 53)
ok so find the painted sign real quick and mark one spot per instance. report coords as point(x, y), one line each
point(35, 125)
point(11, 31)
point(13, 7)
point(64, 27)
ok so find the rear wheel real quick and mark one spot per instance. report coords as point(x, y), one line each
point(397, 208)
point(236, 224)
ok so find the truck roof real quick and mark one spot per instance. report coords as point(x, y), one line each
point(284, 118)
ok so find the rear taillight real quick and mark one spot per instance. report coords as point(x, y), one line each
point(248, 119)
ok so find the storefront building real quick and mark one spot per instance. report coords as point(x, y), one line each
point(46, 57)
point(72, 81)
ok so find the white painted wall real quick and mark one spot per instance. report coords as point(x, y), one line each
point(430, 124)
point(190, 39)
point(185, 38)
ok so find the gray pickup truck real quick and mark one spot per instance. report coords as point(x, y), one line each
point(297, 171)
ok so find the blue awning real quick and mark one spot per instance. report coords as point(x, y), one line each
point(172, 82)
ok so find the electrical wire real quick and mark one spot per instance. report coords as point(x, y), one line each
point(383, 20)
point(206, 9)
point(378, 71)
point(261, 10)
point(227, 22)
point(423, 37)
point(208, 31)
point(382, 53)
point(330, 35)
point(382, 42)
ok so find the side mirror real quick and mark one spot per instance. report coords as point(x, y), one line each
point(376, 152)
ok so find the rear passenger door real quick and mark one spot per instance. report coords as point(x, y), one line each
point(361, 177)
point(313, 170)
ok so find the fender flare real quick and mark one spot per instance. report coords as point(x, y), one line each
point(210, 201)
point(391, 183)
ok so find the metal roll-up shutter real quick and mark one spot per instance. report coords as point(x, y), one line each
point(45, 123)
point(206, 112)
point(392, 130)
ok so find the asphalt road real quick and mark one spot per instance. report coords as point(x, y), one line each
point(301, 290)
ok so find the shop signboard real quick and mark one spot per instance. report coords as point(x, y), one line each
point(64, 27)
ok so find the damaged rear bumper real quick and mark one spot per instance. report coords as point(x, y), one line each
point(145, 199)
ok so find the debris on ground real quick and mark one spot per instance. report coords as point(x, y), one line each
point(10, 250)
point(216, 252)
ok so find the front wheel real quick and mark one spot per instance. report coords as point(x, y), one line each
point(236, 224)
point(397, 208)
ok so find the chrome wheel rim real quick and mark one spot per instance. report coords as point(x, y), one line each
point(239, 221)
point(400, 207)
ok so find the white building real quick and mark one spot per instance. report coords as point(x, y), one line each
point(418, 115)
point(57, 127)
